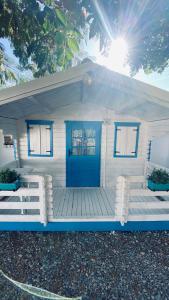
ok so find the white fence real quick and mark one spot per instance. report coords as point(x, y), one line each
point(33, 202)
point(126, 200)
point(28, 203)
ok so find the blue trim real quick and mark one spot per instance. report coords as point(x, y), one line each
point(85, 226)
point(78, 122)
point(40, 122)
point(149, 150)
point(126, 124)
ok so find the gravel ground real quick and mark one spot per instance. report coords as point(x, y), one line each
point(92, 265)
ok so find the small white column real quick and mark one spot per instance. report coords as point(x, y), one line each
point(49, 195)
point(122, 197)
point(43, 206)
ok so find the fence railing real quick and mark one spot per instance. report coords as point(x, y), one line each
point(28, 203)
point(127, 201)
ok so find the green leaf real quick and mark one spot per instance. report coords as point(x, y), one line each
point(61, 16)
point(73, 45)
point(69, 54)
point(37, 291)
point(147, 70)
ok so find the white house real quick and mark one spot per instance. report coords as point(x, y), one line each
point(85, 134)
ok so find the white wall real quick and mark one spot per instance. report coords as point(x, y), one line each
point(7, 158)
point(159, 134)
point(160, 151)
point(110, 167)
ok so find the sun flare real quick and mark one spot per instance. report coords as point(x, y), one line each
point(117, 55)
point(118, 51)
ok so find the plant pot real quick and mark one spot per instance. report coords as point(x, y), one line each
point(158, 186)
point(10, 186)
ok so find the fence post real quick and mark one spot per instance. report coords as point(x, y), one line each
point(49, 195)
point(43, 206)
point(122, 196)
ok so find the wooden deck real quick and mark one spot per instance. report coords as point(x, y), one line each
point(89, 203)
point(83, 202)
point(96, 203)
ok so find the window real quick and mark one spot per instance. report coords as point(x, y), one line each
point(40, 138)
point(8, 140)
point(126, 139)
point(83, 142)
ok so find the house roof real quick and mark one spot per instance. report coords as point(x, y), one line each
point(85, 83)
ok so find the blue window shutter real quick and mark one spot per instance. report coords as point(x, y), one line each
point(126, 139)
point(40, 138)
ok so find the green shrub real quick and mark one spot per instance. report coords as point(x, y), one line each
point(159, 176)
point(8, 176)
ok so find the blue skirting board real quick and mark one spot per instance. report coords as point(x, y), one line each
point(85, 226)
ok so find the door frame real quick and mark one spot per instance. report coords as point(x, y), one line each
point(67, 122)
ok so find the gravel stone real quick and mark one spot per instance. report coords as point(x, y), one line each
point(96, 266)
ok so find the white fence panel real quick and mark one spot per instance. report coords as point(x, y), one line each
point(32, 186)
point(150, 210)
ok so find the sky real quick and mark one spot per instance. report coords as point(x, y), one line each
point(114, 62)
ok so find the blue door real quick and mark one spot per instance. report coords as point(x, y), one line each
point(83, 154)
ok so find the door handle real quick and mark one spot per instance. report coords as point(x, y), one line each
point(70, 152)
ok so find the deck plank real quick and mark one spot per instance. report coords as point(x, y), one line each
point(74, 202)
point(83, 207)
point(97, 210)
point(102, 204)
point(69, 204)
point(73, 212)
point(83, 202)
point(79, 202)
point(109, 201)
point(91, 201)
point(64, 204)
point(58, 196)
point(87, 202)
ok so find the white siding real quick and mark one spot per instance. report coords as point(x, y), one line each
point(158, 129)
point(110, 167)
point(7, 155)
point(159, 135)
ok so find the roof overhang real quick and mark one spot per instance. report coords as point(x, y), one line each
point(85, 83)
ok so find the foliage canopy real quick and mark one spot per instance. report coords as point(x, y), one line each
point(46, 34)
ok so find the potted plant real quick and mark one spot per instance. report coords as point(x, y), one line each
point(9, 180)
point(158, 180)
